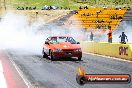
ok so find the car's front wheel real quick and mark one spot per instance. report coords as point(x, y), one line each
point(51, 56)
point(79, 58)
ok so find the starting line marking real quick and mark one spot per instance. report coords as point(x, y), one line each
point(2, 78)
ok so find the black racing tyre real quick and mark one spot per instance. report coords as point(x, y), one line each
point(44, 54)
point(51, 56)
point(79, 58)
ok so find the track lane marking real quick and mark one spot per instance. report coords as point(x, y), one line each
point(21, 74)
point(3, 83)
point(115, 58)
point(26, 81)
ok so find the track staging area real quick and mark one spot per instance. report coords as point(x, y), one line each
point(43, 73)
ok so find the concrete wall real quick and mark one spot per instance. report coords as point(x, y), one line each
point(118, 50)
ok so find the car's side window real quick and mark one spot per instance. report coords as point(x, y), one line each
point(71, 40)
point(53, 40)
point(48, 39)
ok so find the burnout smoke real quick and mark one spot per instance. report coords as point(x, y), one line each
point(125, 26)
point(16, 33)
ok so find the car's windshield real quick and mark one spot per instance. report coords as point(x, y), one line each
point(55, 40)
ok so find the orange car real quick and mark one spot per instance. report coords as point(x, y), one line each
point(61, 46)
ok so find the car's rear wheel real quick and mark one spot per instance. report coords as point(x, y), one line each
point(44, 54)
point(79, 58)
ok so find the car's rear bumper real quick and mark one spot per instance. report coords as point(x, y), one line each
point(67, 54)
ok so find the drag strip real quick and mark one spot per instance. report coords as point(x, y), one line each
point(43, 73)
point(9, 77)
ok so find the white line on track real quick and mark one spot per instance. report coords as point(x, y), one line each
point(26, 81)
point(2, 78)
point(21, 74)
point(119, 59)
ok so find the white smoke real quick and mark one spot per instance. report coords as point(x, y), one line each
point(16, 33)
point(123, 27)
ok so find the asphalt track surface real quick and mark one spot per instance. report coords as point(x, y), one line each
point(43, 73)
point(11, 78)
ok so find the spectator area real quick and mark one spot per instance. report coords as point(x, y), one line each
point(97, 18)
point(46, 16)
